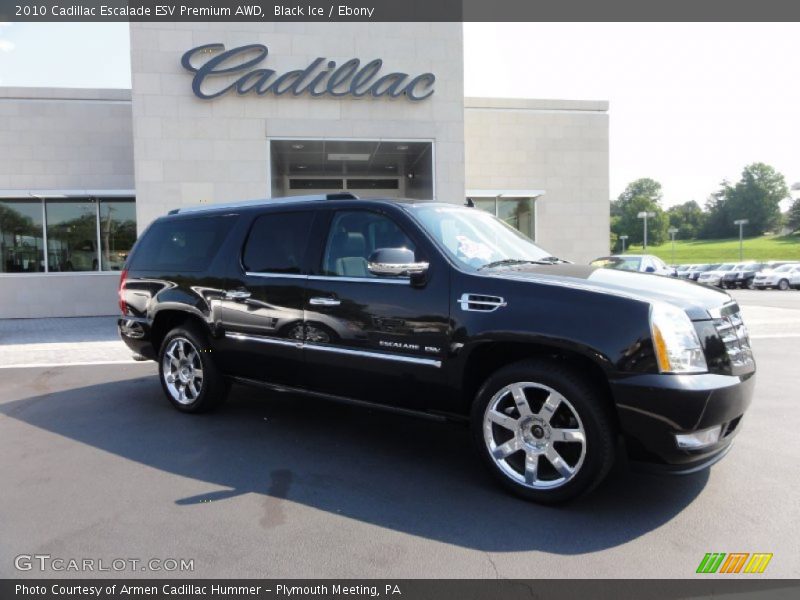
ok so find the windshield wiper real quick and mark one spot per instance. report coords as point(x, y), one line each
point(518, 261)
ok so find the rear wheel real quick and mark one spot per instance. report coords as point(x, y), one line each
point(783, 285)
point(189, 377)
point(543, 431)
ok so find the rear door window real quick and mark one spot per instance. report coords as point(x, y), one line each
point(182, 244)
point(277, 243)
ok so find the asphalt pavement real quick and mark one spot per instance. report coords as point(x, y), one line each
point(95, 464)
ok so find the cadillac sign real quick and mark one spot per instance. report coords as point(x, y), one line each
point(237, 70)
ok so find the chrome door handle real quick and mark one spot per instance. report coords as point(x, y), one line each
point(237, 295)
point(322, 301)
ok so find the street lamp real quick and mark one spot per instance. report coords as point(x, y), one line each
point(644, 215)
point(741, 223)
point(623, 238)
point(672, 231)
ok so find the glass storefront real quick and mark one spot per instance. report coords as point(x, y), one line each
point(117, 232)
point(21, 237)
point(82, 234)
point(520, 213)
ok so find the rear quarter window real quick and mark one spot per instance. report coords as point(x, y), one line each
point(181, 244)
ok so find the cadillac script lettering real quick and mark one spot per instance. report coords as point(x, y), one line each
point(321, 78)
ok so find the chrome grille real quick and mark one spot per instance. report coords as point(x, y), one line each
point(733, 334)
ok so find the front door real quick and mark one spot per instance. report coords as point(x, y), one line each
point(374, 338)
point(262, 312)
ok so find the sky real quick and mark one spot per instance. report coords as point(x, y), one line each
point(690, 104)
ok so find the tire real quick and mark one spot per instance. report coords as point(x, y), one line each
point(750, 284)
point(185, 354)
point(783, 285)
point(578, 411)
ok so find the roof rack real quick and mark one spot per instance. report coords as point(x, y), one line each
point(262, 201)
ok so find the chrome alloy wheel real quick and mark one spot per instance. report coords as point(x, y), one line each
point(183, 371)
point(534, 435)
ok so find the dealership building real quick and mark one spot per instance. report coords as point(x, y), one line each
point(230, 111)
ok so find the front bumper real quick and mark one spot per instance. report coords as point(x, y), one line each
point(652, 409)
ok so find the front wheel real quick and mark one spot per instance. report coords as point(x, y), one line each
point(544, 432)
point(783, 285)
point(189, 377)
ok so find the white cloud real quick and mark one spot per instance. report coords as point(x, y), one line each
point(6, 46)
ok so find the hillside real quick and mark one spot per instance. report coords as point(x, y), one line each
point(785, 247)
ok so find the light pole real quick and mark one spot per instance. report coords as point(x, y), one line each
point(741, 223)
point(644, 215)
point(623, 238)
point(672, 231)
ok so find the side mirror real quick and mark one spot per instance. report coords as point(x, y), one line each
point(650, 269)
point(395, 262)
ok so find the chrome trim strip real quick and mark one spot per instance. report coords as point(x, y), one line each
point(277, 275)
point(429, 362)
point(400, 281)
point(263, 340)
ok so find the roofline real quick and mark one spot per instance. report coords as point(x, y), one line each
point(255, 203)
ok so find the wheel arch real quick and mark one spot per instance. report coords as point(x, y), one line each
point(487, 357)
point(167, 319)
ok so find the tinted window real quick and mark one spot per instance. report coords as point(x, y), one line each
point(354, 236)
point(182, 244)
point(277, 242)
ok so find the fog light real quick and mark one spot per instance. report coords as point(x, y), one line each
point(699, 439)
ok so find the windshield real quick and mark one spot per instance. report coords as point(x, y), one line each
point(621, 263)
point(725, 267)
point(475, 238)
point(784, 268)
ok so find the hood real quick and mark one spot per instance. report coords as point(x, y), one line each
point(695, 299)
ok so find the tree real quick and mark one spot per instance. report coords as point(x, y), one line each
point(642, 195)
point(688, 218)
point(793, 216)
point(755, 197)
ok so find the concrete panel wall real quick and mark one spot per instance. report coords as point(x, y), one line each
point(58, 295)
point(65, 139)
point(559, 146)
point(190, 150)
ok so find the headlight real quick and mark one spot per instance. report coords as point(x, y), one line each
point(675, 340)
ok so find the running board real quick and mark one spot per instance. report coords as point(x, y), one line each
point(284, 389)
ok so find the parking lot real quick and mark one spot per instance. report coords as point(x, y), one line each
point(96, 464)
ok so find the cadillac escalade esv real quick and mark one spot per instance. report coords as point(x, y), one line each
point(444, 310)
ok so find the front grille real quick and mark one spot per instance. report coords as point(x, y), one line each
point(734, 336)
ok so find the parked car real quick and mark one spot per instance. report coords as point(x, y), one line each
point(452, 314)
point(742, 275)
point(714, 276)
point(779, 277)
point(697, 270)
point(683, 271)
point(643, 263)
point(794, 279)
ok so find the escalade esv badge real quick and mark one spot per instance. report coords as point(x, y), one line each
point(555, 367)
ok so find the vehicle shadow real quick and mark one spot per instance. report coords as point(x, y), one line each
point(411, 475)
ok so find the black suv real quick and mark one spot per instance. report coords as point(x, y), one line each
point(445, 310)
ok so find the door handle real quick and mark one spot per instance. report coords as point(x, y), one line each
point(237, 295)
point(322, 301)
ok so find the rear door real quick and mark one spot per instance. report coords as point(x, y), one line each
point(375, 338)
point(262, 313)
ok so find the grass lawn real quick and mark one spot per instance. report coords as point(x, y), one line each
point(774, 247)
